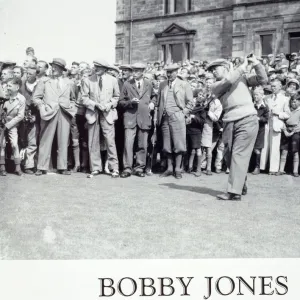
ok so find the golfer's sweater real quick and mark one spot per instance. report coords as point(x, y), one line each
point(234, 94)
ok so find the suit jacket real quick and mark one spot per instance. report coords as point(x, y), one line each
point(14, 111)
point(49, 98)
point(137, 114)
point(183, 96)
point(91, 95)
point(281, 108)
point(28, 96)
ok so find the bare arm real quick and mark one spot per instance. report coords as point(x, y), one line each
point(260, 78)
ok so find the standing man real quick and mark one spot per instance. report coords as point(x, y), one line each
point(42, 68)
point(138, 100)
point(55, 100)
point(278, 105)
point(240, 118)
point(119, 124)
point(100, 94)
point(31, 123)
point(175, 102)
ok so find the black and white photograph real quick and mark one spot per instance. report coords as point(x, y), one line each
point(158, 129)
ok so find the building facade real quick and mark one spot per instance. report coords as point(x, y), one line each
point(175, 30)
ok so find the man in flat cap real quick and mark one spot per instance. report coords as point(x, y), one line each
point(55, 99)
point(138, 100)
point(100, 94)
point(119, 125)
point(240, 118)
point(174, 102)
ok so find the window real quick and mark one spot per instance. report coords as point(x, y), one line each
point(176, 52)
point(294, 42)
point(164, 49)
point(188, 49)
point(266, 44)
point(177, 6)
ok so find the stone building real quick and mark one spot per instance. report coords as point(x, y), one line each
point(174, 30)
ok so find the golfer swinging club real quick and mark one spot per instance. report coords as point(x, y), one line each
point(240, 118)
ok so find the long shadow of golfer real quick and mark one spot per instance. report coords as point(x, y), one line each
point(196, 189)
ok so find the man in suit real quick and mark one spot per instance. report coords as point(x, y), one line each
point(119, 125)
point(100, 95)
point(13, 109)
point(175, 102)
point(278, 105)
point(240, 118)
point(55, 100)
point(138, 100)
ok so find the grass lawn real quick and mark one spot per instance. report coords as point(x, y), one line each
point(72, 217)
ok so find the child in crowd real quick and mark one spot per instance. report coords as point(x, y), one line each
point(194, 129)
point(263, 117)
point(291, 138)
point(13, 111)
point(214, 108)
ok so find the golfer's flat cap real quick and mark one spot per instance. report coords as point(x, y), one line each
point(218, 62)
point(138, 66)
point(172, 67)
point(160, 73)
point(125, 67)
point(271, 70)
point(101, 63)
point(9, 63)
point(112, 67)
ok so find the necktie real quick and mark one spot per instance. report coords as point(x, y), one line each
point(100, 83)
point(170, 84)
point(139, 85)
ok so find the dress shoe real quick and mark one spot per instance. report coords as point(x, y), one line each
point(229, 196)
point(208, 172)
point(245, 190)
point(295, 174)
point(279, 173)
point(166, 174)
point(115, 174)
point(29, 171)
point(189, 170)
point(256, 171)
point(139, 174)
point(76, 169)
point(227, 171)
point(40, 172)
point(64, 172)
point(148, 172)
point(3, 173)
point(178, 174)
point(18, 173)
point(197, 173)
point(272, 173)
point(84, 170)
point(125, 174)
point(94, 173)
point(218, 171)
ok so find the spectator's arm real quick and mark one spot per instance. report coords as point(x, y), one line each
point(38, 94)
point(86, 101)
point(189, 103)
point(124, 101)
point(19, 117)
point(264, 118)
point(285, 114)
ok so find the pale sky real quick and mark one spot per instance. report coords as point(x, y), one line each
point(70, 29)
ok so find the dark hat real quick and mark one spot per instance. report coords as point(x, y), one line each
point(138, 66)
point(101, 63)
point(156, 62)
point(126, 67)
point(59, 62)
point(267, 88)
point(218, 62)
point(75, 63)
point(172, 67)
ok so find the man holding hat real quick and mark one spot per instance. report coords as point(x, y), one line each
point(100, 94)
point(240, 118)
point(55, 99)
point(138, 100)
point(175, 102)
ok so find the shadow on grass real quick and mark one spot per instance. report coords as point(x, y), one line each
point(196, 189)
